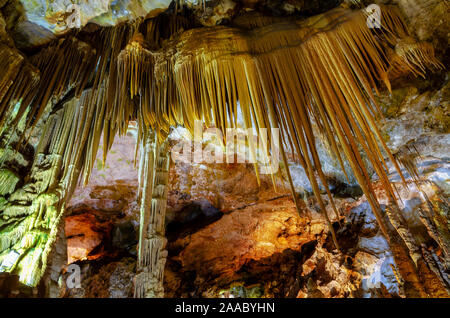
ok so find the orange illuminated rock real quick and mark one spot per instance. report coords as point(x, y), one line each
point(84, 235)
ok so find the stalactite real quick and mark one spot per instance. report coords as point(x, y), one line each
point(413, 57)
point(67, 147)
point(117, 114)
point(152, 242)
point(407, 158)
point(66, 63)
point(397, 220)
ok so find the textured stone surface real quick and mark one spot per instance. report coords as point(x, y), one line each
point(418, 119)
point(60, 15)
point(104, 214)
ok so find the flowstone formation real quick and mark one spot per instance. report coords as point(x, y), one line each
point(252, 65)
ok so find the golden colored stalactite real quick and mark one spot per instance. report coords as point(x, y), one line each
point(111, 116)
point(302, 69)
point(135, 64)
point(65, 64)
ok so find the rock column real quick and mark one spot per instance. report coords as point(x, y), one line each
point(154, 171)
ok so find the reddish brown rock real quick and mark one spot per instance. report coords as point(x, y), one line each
point(85, 235)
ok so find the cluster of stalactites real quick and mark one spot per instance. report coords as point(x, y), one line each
point(284, 75)
point(69, 92)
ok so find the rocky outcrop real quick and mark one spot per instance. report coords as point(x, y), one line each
point(62, 15)
point(428, 19)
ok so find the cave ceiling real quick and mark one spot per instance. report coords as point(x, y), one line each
point(36, 22)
